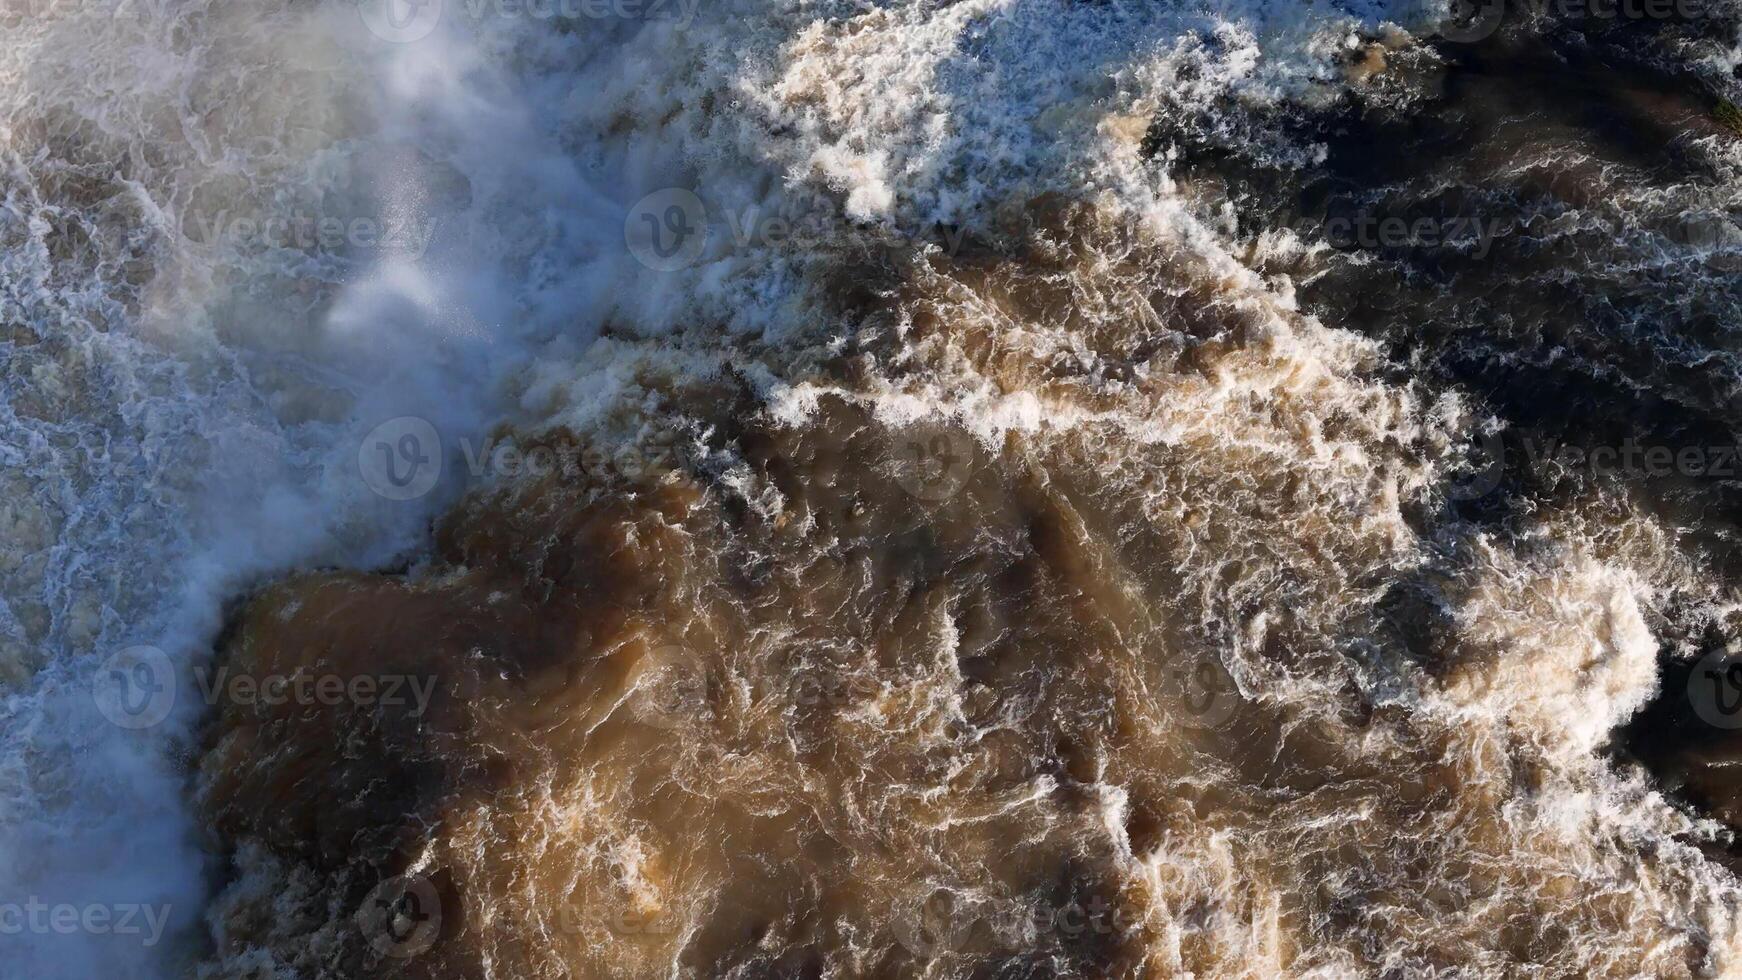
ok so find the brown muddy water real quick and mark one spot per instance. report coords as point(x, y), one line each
point(1116, 490)
point(1080, 609)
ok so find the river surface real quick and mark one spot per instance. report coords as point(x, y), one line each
point(538, 489)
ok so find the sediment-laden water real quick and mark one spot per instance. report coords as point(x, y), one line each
point(1005, 488)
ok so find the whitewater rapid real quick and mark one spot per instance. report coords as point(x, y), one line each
point(193, 357)
point(248, 251)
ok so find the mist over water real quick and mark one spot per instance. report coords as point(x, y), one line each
point(1009, 488)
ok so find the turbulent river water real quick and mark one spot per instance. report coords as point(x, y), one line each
point(843, 488)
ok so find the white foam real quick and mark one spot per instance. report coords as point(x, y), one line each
point(244, 393)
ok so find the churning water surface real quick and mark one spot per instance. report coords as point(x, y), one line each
point(995, 488)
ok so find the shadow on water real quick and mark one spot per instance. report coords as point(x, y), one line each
point(1594, 316)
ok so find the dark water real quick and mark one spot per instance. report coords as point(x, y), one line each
point(1178, 492)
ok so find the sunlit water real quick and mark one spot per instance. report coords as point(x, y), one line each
point(1002, 488)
